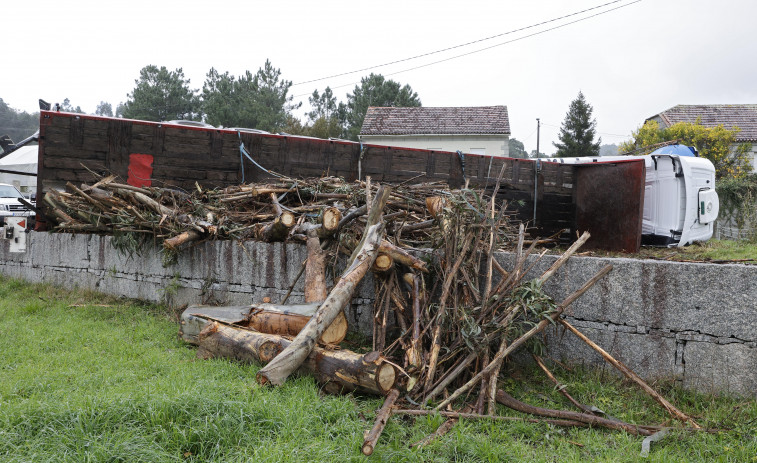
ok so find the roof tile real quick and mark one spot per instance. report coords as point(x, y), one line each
point(475, 120)
point(743, 116)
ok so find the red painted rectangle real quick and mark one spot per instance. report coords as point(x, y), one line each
point(140, 170)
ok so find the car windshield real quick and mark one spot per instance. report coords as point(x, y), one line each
point(7, 191)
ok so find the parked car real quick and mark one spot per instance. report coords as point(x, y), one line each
point(10, 205)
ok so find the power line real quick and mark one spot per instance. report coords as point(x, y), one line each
point(480, 49)
point(456, 46)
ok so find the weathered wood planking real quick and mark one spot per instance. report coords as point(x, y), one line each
point(72, 144)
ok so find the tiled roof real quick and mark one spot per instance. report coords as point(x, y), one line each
point(743, 116)
point(476, 120)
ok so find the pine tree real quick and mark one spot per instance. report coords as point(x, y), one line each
point(577, 131)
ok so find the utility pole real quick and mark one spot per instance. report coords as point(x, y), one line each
point(537, 167)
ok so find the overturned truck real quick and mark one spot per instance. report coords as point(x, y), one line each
point(604, 198)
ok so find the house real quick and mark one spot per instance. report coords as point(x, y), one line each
point(743, 116)
point(474, 130)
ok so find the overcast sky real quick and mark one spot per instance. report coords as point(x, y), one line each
point(630, 63)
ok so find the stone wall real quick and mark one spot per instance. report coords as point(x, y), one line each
point(695, 323)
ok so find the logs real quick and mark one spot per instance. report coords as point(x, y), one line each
point(291, 358)
point(337, 370)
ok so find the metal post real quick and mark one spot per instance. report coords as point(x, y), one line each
point(536, 166)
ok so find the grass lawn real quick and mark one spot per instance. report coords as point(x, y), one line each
point(718, 251)
point(87, 378)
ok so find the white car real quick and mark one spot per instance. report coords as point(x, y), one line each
point(9, 204)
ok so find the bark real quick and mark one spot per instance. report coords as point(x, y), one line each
point(476, 416)
point(382, 417)
point(338, 370)
point(291, 358)
point(330, 219)
point(592, 420)
point(278, 229)
point(670, 408)
point(182, 238)
point(383, 263)
point(283, 321)
point(505, 350)
point(315, 270)
point(401, 256)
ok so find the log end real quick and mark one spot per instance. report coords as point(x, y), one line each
point(288, 219)
point(337, 331)
point(330, 219)
point(386, 377)
point(383, 263)
point(367, 449)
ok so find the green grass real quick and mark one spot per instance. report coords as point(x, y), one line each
point(720, 251)
point(86, 378)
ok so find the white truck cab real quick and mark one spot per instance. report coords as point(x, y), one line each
point(680, 201)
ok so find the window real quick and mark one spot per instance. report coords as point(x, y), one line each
point(481, 151)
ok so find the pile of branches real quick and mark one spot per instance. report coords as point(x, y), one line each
point(285, 209)
point(443, 325)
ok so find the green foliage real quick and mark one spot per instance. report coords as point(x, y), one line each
point(104, 109)
point(517, 149)
point(738, 204)
point(375, 90)
point(162, 95)
point(17, 124)
point(327, 117)
point(578, 130)
point(256, 101)
point(717, 144)
point(69, 108)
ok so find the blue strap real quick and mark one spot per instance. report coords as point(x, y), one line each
point(462, 161)
point(244, 154)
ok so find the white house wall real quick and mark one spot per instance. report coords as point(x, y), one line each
point(491, 145)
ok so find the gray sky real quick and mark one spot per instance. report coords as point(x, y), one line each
point(630, 63)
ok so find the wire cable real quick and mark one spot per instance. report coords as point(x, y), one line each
point(485, 48)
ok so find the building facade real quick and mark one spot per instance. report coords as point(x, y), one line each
point(481, 130)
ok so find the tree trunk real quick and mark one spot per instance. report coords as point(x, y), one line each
point(338, 370)
point(292, 357)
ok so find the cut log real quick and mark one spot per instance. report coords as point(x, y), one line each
point(338, 370)
point(182, 238)
point(285, 322)
point(279, 319)
point(315, 270)
point(383, 263)
point(330, 219)
point(291, 358)
point(401, 256)
point(278, 229)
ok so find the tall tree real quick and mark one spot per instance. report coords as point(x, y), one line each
point(17, 124)
point(69, 108)
point(258, 101)
point(718, 144)
point(516, 148)
point(375, 90)
point(578, 130)
point(327, 117)
point(162, 95)
point(104, 109)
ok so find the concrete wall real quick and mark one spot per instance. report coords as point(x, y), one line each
point(492, 145)
point(696, 323)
